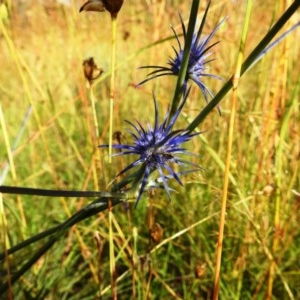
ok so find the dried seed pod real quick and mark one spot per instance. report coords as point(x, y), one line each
point(268, 190)
point(93, 5)
point(91, 70)
point(156, 233)
point(112, 6)
point(200, 270)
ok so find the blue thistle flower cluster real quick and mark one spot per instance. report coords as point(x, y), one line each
point(198, 59)
point(157, 148)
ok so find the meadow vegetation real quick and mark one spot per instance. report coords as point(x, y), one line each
point(162, 249)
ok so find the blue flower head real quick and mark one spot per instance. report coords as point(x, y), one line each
point(198, 59)
point(157, 148)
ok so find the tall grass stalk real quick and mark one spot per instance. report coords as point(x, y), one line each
point(8, 147)
point(5, 243)
point(235, 83)
point(280, 136)
point(112, 263)
point(112, 82)
point(136, 286)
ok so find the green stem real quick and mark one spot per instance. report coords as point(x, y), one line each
point(112, 82)
point(185, 59)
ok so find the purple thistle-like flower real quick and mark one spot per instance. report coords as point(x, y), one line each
point(198, 59)
point(157, 148)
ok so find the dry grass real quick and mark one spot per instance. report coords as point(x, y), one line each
point(41, 65)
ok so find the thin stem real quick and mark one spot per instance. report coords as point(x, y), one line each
point(58, 193)
point(5, 242)
point(135, 262)
point(112, 263)
point(92, 98)
point(3, 222)
point(112, 82)
point(95, 137)
point(235, 82)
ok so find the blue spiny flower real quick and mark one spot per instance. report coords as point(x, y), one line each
point(157, 148)
point(198, 59)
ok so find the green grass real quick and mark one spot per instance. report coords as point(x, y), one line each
point(41, 64)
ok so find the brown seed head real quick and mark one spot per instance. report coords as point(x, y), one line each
point(156, 233)
point(93, 5)
point(112, 6)
point(200, 270)
point(91, 70)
